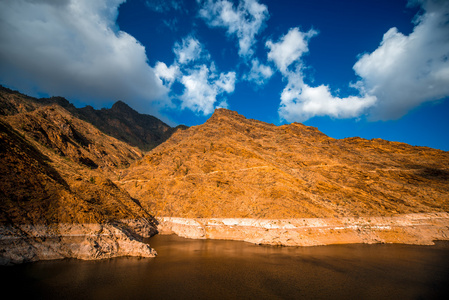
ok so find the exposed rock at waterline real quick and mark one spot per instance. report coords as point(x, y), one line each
point(420, 229)
point(28, 243)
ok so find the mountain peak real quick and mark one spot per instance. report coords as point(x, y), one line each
point(222, 114)
point(121, 106)
point(224, 111)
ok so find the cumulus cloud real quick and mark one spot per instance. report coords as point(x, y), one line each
point(73, 48)
point(203, 85)
point(402, 73)
point(189, 50)
point(290, 48)
point(259, 73)
point(244, 21)
point(299, 101)
point(226, 82)
point(201, 89)
point(406, 71)
point(167, 75)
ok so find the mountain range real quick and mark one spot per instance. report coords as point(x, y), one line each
point(116, 167)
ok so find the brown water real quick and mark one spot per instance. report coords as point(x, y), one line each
point(208, 269)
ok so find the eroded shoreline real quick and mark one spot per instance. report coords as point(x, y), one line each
point(418, 229)
point(29, 243)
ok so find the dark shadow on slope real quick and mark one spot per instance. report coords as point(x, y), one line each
point(14, 144)
point(434, 174)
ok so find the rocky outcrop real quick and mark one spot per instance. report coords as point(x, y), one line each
point(420, 229)
point(28, 243)
point(56, 128)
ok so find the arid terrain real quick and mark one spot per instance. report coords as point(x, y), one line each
point(91, 184)
point(55, 169)
point(233, 167)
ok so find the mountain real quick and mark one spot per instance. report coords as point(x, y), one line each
point(120, 121)
point(126, 124)
point(39, 185)
point(233, 167)
point(76, 183)
point(55, 183)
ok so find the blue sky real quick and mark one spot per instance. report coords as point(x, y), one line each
point(368, 68)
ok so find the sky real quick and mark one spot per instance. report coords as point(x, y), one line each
point(368, 68)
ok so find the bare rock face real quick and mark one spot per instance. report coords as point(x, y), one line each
point(233, 167)
point(120, 121)
point(420, 229)
point(28, 243)
point(55, 128)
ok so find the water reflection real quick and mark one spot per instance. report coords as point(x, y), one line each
point(205, 269)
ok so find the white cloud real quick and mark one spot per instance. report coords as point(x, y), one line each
point(259, 73)
point(203, 85)
point(245, 21)
point(226, 82)
point(199, 95)
point(189, 51)
point(290, 48)
point(299, 101)
point(167, 75)
point(201, 91)
point(402, 73)
point(406, 71)
point(73, 48)
point(223, 104)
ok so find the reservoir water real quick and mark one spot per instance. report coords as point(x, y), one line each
point(211, 269)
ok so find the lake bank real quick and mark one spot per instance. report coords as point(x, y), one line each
point(417, 229)
point(86, 241)
point(28, 243)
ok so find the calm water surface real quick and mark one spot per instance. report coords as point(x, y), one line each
point(207, 269)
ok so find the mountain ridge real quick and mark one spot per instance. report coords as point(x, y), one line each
point(120, 121)
point(260, 170)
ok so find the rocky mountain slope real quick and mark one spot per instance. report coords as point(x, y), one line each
point(56, 170)
point(233, 167)
point(120, 121)
point(126, 124)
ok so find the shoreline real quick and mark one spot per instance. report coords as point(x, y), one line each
point(417, 229)
point(30, 243)
point(35, 242)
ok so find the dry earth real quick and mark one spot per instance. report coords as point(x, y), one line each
point(233, 167)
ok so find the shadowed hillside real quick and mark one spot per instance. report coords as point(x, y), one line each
point(56, 168)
